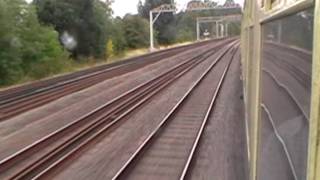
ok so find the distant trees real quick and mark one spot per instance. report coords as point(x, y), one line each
point(115, 31)
point(186, 23)
point(26, 47)
point(182, 27)
point(90, 24)
point(35, 38)
point(136, 31)
point(83, 20)
point(186, 27)
point(43, 38)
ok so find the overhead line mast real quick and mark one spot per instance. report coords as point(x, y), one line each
point(221, 27)
point(192, 6)
point(165, 8)
point(222, 24)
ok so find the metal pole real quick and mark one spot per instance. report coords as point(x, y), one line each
point(213, 31)
point(217, 30)
point(151, 31)
point(222, 30)
point(227, 29)
point(198, 31)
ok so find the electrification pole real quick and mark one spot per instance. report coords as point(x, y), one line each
point(198, 31)
point(151, 31)
point(227, 29)
point(217, 29)
point(161, 9)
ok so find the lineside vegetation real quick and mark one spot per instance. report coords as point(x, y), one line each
point(48, 37)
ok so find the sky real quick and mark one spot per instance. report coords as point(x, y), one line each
point(122, 7)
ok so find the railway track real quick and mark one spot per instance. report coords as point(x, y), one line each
point(28, 88)
point(41, 157)
point(168, 152)
point(21, 99)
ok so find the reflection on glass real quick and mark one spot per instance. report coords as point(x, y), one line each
point(286, 92)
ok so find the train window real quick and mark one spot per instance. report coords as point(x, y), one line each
point(286, 94)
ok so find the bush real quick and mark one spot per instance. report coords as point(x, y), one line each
point(136, 31)
point(26, 47)
point(109, 49)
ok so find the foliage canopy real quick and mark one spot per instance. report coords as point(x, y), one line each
point(26, 47)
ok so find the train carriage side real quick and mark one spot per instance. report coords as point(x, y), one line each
point(281, 73)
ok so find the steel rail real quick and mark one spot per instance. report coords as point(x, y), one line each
point(59, 84)
point(90, 127)
point(60, 148)
point(166, 119)
point(68, 126)
point(43, 84)
point(44, 172)
point(13, 108)
point(41, 99)
point(38, 143)
point(204, 123)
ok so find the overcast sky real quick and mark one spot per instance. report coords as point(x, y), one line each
point(122, 7)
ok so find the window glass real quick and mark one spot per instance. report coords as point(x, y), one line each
point(286, 93)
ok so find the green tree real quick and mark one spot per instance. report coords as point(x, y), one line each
point(10, 55)
point(186, 22)
point(26, 47)
point(186, 27)
point(83, 20)
point(109, 49)
point(136, 31)
point(116, 32)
